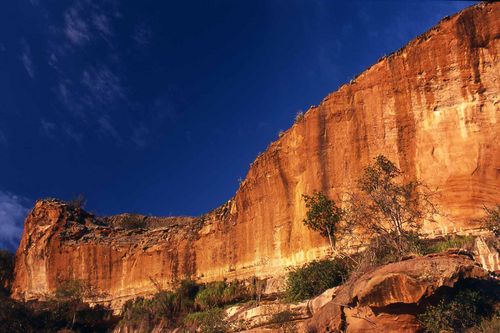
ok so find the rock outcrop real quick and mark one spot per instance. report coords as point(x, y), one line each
point(431, 107)
point(387, 298)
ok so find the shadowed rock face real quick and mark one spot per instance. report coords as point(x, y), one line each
point(431, 107)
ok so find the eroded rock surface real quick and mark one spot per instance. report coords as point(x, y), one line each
point(431, 107)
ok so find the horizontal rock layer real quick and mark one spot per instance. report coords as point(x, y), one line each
point(431, 107)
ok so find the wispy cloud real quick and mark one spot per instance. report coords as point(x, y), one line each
point(48, 128)
point(66, 93)
point(27, 59)
point(12, 213)
point(103, 86)
point(71, 133)
point(102, 24)
point(142, 35)
point(87, 20)
point(92, 92)
point(75, 27)
point(140, 135)
point(107, 128)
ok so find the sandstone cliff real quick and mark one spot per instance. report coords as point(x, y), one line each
point(432, 107)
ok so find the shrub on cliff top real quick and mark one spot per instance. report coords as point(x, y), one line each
point(314, 278)
point(299, 116)
point(78, 202)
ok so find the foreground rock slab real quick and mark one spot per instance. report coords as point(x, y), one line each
point(387, 298)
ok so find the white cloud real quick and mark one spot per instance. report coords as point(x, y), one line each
point(75, 27)
point(26, 59)
point(12, 214)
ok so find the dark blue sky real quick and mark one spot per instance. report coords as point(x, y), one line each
point(158, 107)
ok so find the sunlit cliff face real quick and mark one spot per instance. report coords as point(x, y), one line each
point(432, 108)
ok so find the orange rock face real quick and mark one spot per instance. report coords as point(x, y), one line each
point(431, 107)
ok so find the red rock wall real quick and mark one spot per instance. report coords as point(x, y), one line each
point(432, 107)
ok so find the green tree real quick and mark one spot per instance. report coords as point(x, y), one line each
point(323, 215)
point(491, 221)
point(315, 277)
point(388, 207)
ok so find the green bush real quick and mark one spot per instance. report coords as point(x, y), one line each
point(163, 306)
point(78, 202)
point(131, 222)
point(209, 321)
point(53, 316)
point(6, 271)
point(171, 308)
point(219, 293)
point(282, 317)
point(14, 316)
point(490, 325)
point(284, 320)
point(453, 242)
point(211, 295)
point(314, 278)
point(466, 309)
point(186, 293)
point(71, 290)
